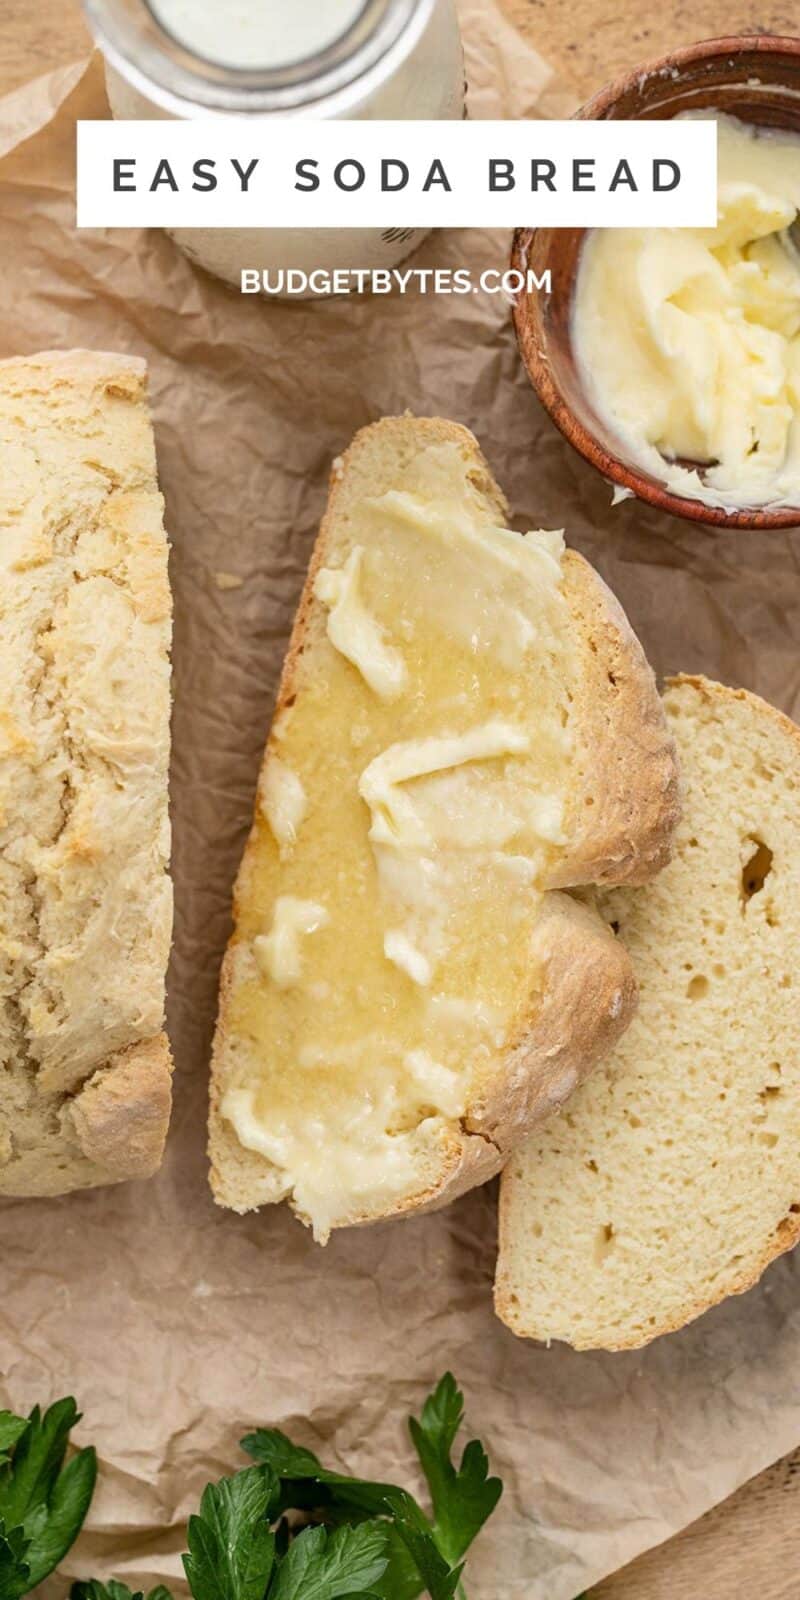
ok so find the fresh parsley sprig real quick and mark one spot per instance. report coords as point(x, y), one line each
point(42, 1502)
point(288, 1529)
point(425, 1556)
point(464, 1499)
point(231, 1545)
point(115, 1591)
point(235, 1555)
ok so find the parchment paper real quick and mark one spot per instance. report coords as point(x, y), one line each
point(177, 1325)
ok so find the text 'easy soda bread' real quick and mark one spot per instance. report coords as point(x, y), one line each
point(672, 1179)
point(465, 724)
point(85, 900)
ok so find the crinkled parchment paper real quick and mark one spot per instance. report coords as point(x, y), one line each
point(177, 1325)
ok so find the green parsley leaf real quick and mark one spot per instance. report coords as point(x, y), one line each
point(413, 1556)
point(463, 1499)
point(231, 1547)
point(440, 1580)
point(402, 1579)
point(320, 1565)
point(14, 1570)
point(272, 1449)
point(55, 1528)
point(305, 1485)
point(11, 1431)
point(40, 1497)
point(94, 1590)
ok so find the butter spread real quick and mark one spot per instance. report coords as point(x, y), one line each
point(688, 339)
point(395, 818)
point(278, 952)
point(327, 1177)
point(397, 947)
point(430, 814)
point(283, 801)
point(353, 631)
point(482, 573)
point(441, 1086)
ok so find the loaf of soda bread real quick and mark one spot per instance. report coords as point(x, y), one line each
point(465, 725)
point(672, 1178)
point(85, 897)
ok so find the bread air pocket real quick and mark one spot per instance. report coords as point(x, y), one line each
point(465, 723)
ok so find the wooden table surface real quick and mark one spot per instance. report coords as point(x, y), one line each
point(750, 1546)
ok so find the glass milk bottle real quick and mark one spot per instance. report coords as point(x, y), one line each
point(272, 58)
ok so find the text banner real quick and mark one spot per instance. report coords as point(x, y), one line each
point(233, 172)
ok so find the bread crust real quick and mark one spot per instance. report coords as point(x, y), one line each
point(84, 893)
point(113, 1130)
point(787, 1234)
point(588, 986)
point(121, 1115)
point(626, 761)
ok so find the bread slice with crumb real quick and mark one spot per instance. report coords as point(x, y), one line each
point(85, 897)
point(465, 725)
point(673, 1177)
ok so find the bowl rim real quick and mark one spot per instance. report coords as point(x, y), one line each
point(726, 44)
point(634, 479)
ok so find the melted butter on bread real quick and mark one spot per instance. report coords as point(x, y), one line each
point(354, 631)
point(278, 953)
point(433, 805)
point(282, 799)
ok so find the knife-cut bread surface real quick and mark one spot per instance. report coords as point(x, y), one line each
point(672, 1179)
point(465, 722)
point(85, 899)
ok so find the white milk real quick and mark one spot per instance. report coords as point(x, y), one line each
point(256, 33)
point(427, 81)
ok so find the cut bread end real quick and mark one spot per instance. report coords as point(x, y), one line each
point(673, 1179)
point(113, 1130)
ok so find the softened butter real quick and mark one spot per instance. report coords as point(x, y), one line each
point(688, 340)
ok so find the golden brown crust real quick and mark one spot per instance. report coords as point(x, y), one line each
point(587, 1000)
point(114, 1129)
point(121, 1116)
point(709, 690)
point(625, 761)
point(588, 985)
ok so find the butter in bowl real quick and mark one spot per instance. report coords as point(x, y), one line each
point(670, 358)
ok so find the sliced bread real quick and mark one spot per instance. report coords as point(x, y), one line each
point(465, 722)
point(85, 899)
point(672, 1179)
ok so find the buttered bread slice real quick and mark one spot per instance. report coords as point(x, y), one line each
point(465, 723)
point(672, 1178)
point(85, 896)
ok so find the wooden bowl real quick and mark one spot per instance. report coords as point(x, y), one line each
point(754, 78)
